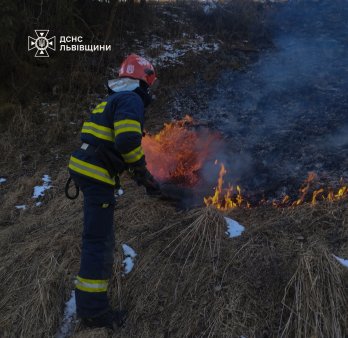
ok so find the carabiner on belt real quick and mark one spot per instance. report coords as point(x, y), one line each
point(67, 187)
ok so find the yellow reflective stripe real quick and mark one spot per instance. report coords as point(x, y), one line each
point(124, 126)
point(102, 104)
point(99, 108)
point(126, 121)
point(91, 285)
point(87, 289)
point(97, 130)
point(90, 170)
point(96, 111)
point(93, 281)
point(119, 130)
point(98, 127)
point(134, 155)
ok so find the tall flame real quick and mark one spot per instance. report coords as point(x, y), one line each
point(304, 190)
point(225, 198)
point(179, 151)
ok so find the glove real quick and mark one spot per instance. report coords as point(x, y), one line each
point(143, 177)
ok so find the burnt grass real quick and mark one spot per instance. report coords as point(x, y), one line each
point(278, 98)
point(282, 112)
point(285, 113)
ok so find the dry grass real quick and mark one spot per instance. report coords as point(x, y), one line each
point(315, 297)
point(200, 283)
point(20, 193)
point(190, 279)
point(38, 259)
point(176, 275)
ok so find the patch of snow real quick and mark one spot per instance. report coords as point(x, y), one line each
point(21, 207)
point(46, 179)
point(209, 7)
point(40, 189)
point(128, 251)
point(171, 52)
point(38, 204)
point(343, 261)
point(128, 265)
point(69, 318)
point(2, 180)
point(128, 262)
point(234, 229)
point(216, 46)
point(119, 192)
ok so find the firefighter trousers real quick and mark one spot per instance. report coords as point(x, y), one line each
point(98, 245)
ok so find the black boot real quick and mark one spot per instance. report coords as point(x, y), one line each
point(110, 319)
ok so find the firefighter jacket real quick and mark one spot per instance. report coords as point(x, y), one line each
point(117, 125)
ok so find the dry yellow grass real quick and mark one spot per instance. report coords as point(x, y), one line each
point(277, 279)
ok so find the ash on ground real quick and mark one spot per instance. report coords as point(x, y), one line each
point(287, 113)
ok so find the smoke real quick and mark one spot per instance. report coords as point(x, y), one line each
point(339, 139)
point(237, 164)
point(287, 113)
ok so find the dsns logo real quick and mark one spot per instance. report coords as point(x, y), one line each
point(41, 43)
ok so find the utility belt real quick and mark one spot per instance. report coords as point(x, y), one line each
point(111, 159)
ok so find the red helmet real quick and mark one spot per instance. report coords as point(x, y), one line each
point(136, 67)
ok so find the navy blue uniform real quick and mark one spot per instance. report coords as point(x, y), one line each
point(114, 123)
point(117, 124)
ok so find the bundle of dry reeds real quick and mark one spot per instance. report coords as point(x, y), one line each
point(278, 278)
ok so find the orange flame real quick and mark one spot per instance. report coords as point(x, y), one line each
point(304, 190)
point(223, 199)
point(178, 151)
point(330, 195)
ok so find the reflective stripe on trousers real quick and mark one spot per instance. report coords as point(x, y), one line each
point(98, 245)
point(91, 285)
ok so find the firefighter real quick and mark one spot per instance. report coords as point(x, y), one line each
point(111, 143)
